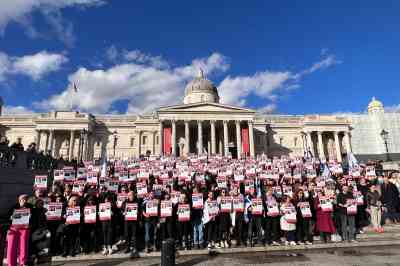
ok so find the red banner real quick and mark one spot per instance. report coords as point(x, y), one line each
point(167, 140)
point(245, 141)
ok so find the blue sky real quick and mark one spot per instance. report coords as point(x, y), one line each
point(291, 57)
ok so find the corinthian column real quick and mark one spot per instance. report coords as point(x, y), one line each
point(226, 138)
point(238, 140)
point(213, 142)
point(337, 147)
point(199, 137)
point(173, 136)
point(187, 138)
point(161, 138)
point(320, 146)
point(251, 136)
point(71, 145)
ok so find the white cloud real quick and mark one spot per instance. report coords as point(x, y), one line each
point(267, 109)
point(235, 90)
point(393, 109)
point(39, 64)
point(19, 11)
point(35, 66)
point(144, 86)
point(16, 110)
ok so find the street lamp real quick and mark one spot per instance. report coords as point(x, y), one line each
point(385, 137)
point(115, 136)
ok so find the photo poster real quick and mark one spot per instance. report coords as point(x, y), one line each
point(54, 211)
point(183, 212)
point(40, 182)
point(90, 214)
point(166, 208)
point(73, 215)
point(197, 201)
point(105, 211)
point(21, 217)
point(131, 212)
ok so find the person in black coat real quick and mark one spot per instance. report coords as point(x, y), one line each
point(390, 200)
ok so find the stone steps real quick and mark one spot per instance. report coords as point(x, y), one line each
point(365, 240)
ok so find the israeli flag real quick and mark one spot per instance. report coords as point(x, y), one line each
point(326, 173)
point(352, 160)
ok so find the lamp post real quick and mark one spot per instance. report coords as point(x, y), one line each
point(385, 137)
point(115, 136)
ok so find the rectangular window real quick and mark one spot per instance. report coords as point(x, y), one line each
point(157, 140)
point(144, 140)
point(132, 142)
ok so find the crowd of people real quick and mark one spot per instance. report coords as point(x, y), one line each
point(33, 158)
point(200, 202)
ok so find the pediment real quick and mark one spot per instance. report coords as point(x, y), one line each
point(204, 107)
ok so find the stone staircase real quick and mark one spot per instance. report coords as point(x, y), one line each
point(390, 237)
point(13, 182)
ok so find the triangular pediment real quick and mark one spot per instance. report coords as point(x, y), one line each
point(205, 107)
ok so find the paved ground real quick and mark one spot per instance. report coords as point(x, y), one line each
point(383, 255)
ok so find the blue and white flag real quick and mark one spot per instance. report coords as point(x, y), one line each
point(352, 161)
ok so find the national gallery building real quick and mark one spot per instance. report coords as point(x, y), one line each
point(202, 125)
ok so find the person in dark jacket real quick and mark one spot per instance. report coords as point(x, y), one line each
point(390, 200)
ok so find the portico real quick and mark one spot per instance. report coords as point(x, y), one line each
point(207, 128)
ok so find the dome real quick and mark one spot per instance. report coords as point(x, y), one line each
point(201, 89)
point(375, 106)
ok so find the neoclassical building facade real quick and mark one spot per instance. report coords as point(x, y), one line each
point(202, 125)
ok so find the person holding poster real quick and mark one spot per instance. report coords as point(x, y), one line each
point(150, 217)
point(183, 223)
point(375, 208)
point(238, 208)
point(106, 210)
point(288, 220)
point(130, 207)
point(209, 219)
point(304, 215)
point(225, 205)
point(196, 215)
point(345, 201)
point(272, 217)
point(166, 217)
point(18, 234)
point(89, 227)
point(325, 225)
point(254, 215)
point(71, 231)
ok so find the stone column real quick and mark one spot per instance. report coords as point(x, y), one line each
point(84, 146)
point(310, 144)
point(71, 145)
point(173, 137)
point(337, 147)
point(347, 141)
point(320, 146)
point(187, 138)
point(251, 138)
point(226, 138)
point(199, 137)
point(161, 138)
point(38, 135)
point(79, 145)
point(213, 141)
point(139, 142)
point(154, 142)
point(238, 139)
point(51, 142)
